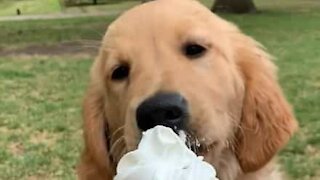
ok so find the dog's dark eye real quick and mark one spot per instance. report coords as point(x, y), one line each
point(193, 50)
point(121, 72)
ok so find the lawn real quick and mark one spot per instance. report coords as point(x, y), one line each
point(40, 123)
point(111, 6)
point(40, 7)
point(50, 32)
point(9, 7)
point(40, 115)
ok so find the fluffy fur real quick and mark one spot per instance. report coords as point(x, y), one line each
point(237, 109)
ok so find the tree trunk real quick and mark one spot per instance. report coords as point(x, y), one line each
point(234, 6)
point(95, 2)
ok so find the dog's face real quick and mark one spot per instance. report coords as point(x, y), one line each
point(174, 63)
point(159, 62)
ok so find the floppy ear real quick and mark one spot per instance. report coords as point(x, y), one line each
point(267, 121)
point(95, 162)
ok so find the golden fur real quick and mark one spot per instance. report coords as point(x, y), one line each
point(237, 109)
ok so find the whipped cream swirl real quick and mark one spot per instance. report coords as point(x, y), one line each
point(162, 155)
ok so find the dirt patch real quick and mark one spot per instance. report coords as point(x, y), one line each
point(65, 48)
point(38, 177)
point(16, 149)
point(43, 138)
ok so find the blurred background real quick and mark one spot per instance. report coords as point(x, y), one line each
point(47, 47)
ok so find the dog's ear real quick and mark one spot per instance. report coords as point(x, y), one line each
point(95, 162)
point(267, 121)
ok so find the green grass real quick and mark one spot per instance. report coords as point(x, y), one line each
point(40, 117)
point(24, 33)
point(113, 6)
point(39, 7)
point(27, 7)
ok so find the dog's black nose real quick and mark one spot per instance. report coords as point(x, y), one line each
point(167, 109)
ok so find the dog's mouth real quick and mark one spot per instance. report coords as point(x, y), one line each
point(198, 145)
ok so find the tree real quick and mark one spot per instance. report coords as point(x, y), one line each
point(234, 6)
point(95, 2)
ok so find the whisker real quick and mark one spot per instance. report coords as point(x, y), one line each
point(118, 149)
point(117, 156)
point(116, 144)
point(90, 43)
point(116, 131)
point(99, 33)
point(192, 142)
point(124, 151)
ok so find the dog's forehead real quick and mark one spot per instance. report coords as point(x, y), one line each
point(153, 17)
point(163, 8)
point(154, 27)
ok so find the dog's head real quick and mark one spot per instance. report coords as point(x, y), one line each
point(174, 63)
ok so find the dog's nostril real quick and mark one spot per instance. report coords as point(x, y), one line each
point(173, 114)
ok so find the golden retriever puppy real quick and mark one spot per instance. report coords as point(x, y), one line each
point(174, 63)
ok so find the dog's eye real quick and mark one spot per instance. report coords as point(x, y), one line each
point(121, 72)
point(193, 50)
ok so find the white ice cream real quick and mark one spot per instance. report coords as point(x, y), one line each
point(162, 155)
